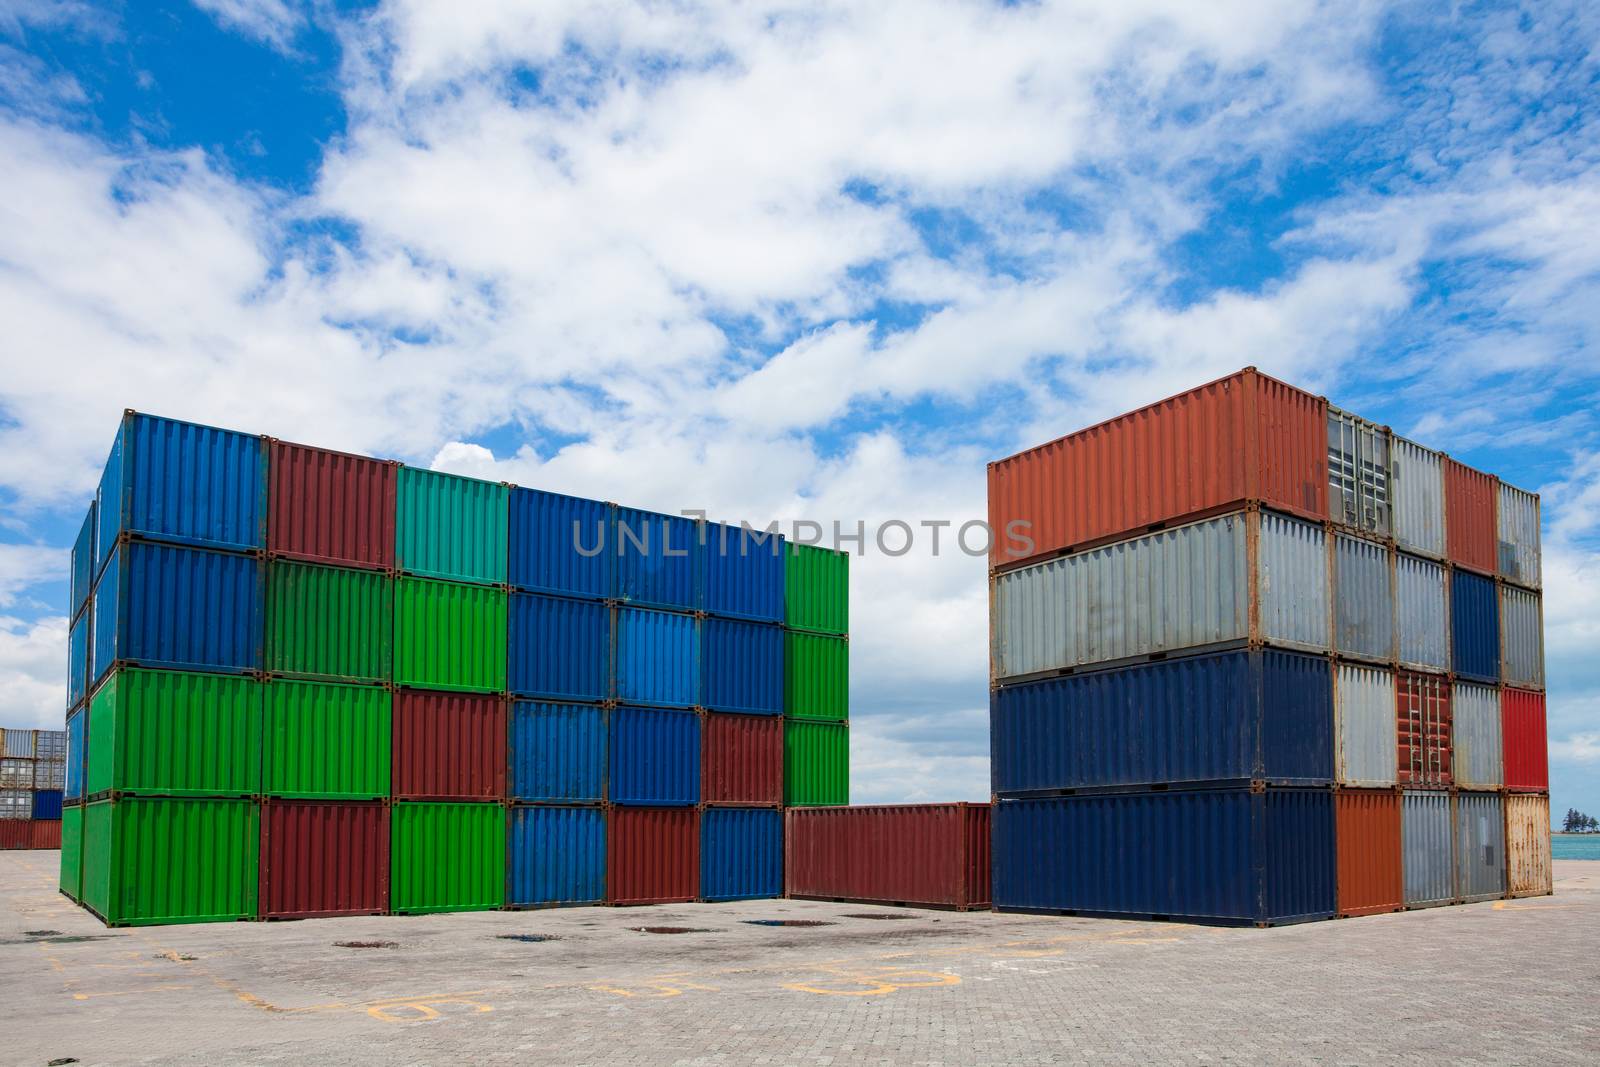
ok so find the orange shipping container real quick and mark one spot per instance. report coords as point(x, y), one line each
point(1528, 871)
point(46, 833)
point(890, 854)
point(1470, 529)
point(1368, 844)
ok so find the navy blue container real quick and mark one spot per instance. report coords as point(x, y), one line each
point(558, 753)
point(655, 757)
point(1225, 717)
point(743, 572)
point(560, 544)
point(1228, 856)
point(180, 608)
point(78, 646)
point(83, 568)
point(1474, 627)
point(741, 853)
point(558, 648)
point(657, 658)
point(47, 805)
point(742, 666)
point(77, 727)
point(556, 856)
point(655, 559)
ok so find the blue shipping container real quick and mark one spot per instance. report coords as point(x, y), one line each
point(182, 608)
point(743, 572)
point(77, 734)
point(1210, 855)
point(743, 666)
point(78, 645)
point(657, 658)
point(83, 568)
point(47, 805)
point(179, 482)
point(556, 856)
point(558, 753)
point(560, 544)
point(741, 853)
point(1229, 716)
point(559, 648)
point(1474, 627)
point(655, 557)
point(655, 757)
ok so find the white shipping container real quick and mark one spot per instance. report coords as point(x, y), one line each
point(16, 773)
point(1521, 638)
point(1417, 486)
point(16, 803)
point(1363, 589)
point(1519, 553)
point(1358, 473)
point(17, 743)
point(1475, 737)
point(1364, 708)
point(1422, 626)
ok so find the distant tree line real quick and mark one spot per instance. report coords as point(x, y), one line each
point(1579, 823)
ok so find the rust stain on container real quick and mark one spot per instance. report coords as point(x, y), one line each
point(449, 746)
point(1371, 877)
point(741, 760)
point(652, 855)
point(1528, 872)
point(890, 854)
point(324, 858)
point(1470, 528)
point(331, 507)
point(1422, 712)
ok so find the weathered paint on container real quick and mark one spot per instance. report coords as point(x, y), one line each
point(1226, 716)
point(324, 858)
point(1428, 836)
point(326, 741)
point(1521, 637)
point(816, 589)
point(451, 527)
point(741, 853)
point(46, 834)
point(50, 774)
point(15, 833)
point(1474, 627)
point(1476, 746)
point(1522, 727)
point(741, 759)
point(71, 880)
point(652, 855)
point(447, 857)
point(330, 507)
point(171, 860)
point(1422, 713)
point(448, 746)
point(1417, 477)
point(450, 636)
point(931, 854)
point(655, 559)
point(743, 569)
point(1212, 855)
point(1471, 532)
point(1363, 599)
point(83, 568)
point(46, 805)
point(816, 762)
point(560, 544)
point(1364, 704)
point(1358, 473)
point(1517, 545)
point(334, 623)
point(655, 757)
point(50, 744)
point(558, 753)
point(18, 743)
point(77, 724)
point(557, 856)
point(657, 658)
point(185, 608)
point(16, 772)
point(1369, 848)
point(1230, 442)
point(1528, 871)
point(173, 733)
point(816, 676)
point(1422, 622)
point(560, 648)
point(78, 645)
point(1480, 847)
point(742, 666)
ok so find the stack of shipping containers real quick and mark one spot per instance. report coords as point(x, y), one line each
point(1266, 662)
point(33, 765)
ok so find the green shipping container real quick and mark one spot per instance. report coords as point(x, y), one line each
point(450, 636)
point(451, 527)
point(72, 852)
point(175, 733)
point(816, 676)
point(816, 589)
point(816, 763)
point(326, 741)
point(329, 622)
point(178, 860)
point(447, 857)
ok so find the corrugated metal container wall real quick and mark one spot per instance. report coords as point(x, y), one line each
point(329, 622)
point(17, 743)
point(742, 666)
point(1363, 599)
point(550, 535)
point(1480, 847)
point(657, 657)
point(652, 855)
point(816, 589)
point(71, 881)
point(1417, 477)
point(1518, 543)
point(148, 861)
point(741, 759)
point(47, 805)
point(83, 568)
point(1474, 627)
point(655, 559)
point(1291, 586)
point(1243, 438)
point(175, 733)
point(1471, 534)
point(1528, 872)
point(1364, 702)
point(1368, 834)
point(1358, 473)
point(50, 744)
point(324, 858)
point(449, 746)
point(1475, 710)
point(451, 527)
point(447, 857)
point(1422, 622)
point(1429, 839)
point(15, 834)
point(330, 507)
point(655, 757)
point(1224, 855)
point(1422, 712)
point(891, 854)
point(558, 753)
point(816, 676)
point(75, 754)
point(78, 644)
point(743, 571)
point(557, 856)
point(1225, 716)
point(450, 636)
point(741, 853)
point(816, 762)
point(326, 741)
point(1522, 637)
point(16, 772)
point(560, 649)
point(46, 834)
point(16, 804)
point(50, 774)
point(1522, 726)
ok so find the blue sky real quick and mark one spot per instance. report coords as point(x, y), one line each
point(796, 260)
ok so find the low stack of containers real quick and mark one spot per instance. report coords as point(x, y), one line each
point(1254, 667)
point(32, 778)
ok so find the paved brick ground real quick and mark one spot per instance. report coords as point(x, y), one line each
point(1508, 982)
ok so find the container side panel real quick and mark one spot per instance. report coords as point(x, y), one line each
point(188, 484)
point(320, 858)
point(185, 608)
point(558, 752)
point(652, 855)
point(1522, 724)
point(1476, 747)
point(895, 854)
point(1518, 543)
point(559, 544)
point(655, 559)
point(743, 571)
point(183, 860)
point(1522, 637)
point(449, 746)
point(1470, 499)
point(71, 881)
point(1418, 479)
point(558, 856)
point(560, 648)
point(1363, 599)
point(83, 568)
point(1428, 837)
point(657, 657)
point(329, 741)
point(329, 622)
point(816, 763)
point(450, 636)
point(1421, 621)
point(450, 527)
point(1365, 703)
point(330, 506)
point(1292, 582)
point(816, 676)
point(743, 667)
point(741, 853)
point(1370, 851)
point(1480, 847)
point(1474, 627)
point(816, 589)
point(76, 762)
point(447, 857)
point(655, 757)
point(741, 759)
point(175, 733)
point(1528, 871)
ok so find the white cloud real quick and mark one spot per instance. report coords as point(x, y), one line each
point(33, 672)
point(273, 21)
point(1579, 748)
point(22, 566)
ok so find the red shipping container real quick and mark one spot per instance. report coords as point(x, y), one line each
point(330, 507)
point(322, 857)
point(16, 833)
point(741, 759)
point(449, 746)
point(1527, 751)
point(934, 854)
point(1369, 854)
point(652, 855)
point(1423, 718)
point(1470, 527)
point(1243, 438)
point(46, 833)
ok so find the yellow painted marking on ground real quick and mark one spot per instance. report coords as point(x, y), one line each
point(129, 992)
point(426, 1009)
point(1508, 905)
point(878, 984)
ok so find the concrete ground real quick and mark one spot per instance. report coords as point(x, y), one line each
point(1503, 982)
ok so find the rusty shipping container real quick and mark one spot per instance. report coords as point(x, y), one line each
point(652, 855)
point(1422, 711)
point(1522, 727)
point(323, 857)
point(1528, 872)
point(1367, 836)
point(935, 854)
point(330, 507)
point(449, 746)
point(1471, 534)
point(741, 759)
